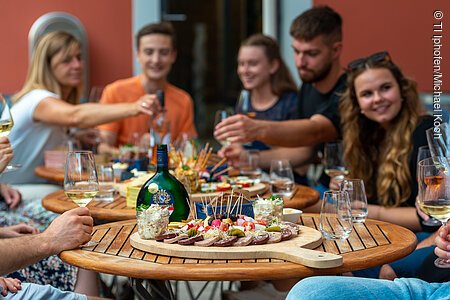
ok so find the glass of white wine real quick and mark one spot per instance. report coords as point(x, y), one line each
point(80, 179)
point(333, 160)
point(219, 117)
point(434, 195)
point(6, 124)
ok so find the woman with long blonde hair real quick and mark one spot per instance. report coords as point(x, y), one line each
point(46, 104)
point(42, 109)
point(383, 126)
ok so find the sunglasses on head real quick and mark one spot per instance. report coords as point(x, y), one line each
point(376, 57)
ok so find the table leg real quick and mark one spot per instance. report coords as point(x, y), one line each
point(156, 289)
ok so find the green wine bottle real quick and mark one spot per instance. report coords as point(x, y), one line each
point(164, 189)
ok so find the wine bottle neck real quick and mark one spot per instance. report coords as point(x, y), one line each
point(162, 161)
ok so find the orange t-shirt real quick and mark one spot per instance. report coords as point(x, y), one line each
point(179, 106)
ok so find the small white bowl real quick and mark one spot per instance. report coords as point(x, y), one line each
point(291, 214)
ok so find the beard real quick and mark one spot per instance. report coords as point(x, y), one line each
point(315, 76)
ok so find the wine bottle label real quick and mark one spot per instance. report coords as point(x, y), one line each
point(162, 197)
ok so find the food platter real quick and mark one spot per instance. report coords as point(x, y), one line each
point(295, 250)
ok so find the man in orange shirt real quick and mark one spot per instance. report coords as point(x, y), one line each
point(156, 53)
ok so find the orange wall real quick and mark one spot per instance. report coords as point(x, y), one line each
point(108, 26)
point(403, 27)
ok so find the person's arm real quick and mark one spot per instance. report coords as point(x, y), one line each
point(108, 144)
point(291, 133)
point(403, 216)
point(55, 111)
point(70, 230)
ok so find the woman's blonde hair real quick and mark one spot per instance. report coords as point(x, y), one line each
point(378, 156)
point(281, 81)
point(40, 74)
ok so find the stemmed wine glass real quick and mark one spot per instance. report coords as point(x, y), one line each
point(434, 195)
point(333, 160)
point(80, 179)
point(220, 116)
point(6, 124)
point(424, 153)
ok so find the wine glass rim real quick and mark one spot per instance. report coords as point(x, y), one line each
point(430, 162)
point(80, 151)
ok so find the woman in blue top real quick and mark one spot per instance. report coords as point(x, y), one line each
point(263, 73)
point(271, 90)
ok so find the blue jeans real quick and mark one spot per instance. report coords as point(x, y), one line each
point(352, 288)
point(36, 291)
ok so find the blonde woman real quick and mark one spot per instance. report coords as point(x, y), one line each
point(383, 125)
point(42, 109)
point(46, 104)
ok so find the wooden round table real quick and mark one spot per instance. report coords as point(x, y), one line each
point(116, 210)
point(50, 174)
point(370, 244)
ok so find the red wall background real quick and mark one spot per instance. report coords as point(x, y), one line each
point(402, 27)
point(108, 27)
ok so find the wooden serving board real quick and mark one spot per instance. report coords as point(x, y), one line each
point(292, 250)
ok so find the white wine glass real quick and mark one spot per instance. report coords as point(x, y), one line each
point(423, 153)
point(281, 178)
point(434, 195)
point(335, 215)
point(6, 124)
point(219, 117)
point(80, 179)
point(333, 160)
point(358, 199)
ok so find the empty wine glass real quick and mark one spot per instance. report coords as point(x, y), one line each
point(335, 215)
point(281, 178)
point(358, 199)
point(6, 124)
point(80, 179)
point(434, 195)
point(424, 153)
point(333, 160)
point(219, 117)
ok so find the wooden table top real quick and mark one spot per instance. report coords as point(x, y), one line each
point(370, 244)
point(118, 210)
point(50, 174)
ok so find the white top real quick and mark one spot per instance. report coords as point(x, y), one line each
point(30, 138)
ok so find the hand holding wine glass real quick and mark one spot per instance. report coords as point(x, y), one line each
point(434, 195)
point(80, 179)
point(219, 117)
point(424, 153)
point(6, 124)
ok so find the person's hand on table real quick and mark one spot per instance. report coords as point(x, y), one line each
point(232, 153)
point(11, 196)
point(442, 241)
point(237, 129)
point(12, 285)
point(17, 230)
point(148, 104)
point(6, 153)
point(68, 231)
